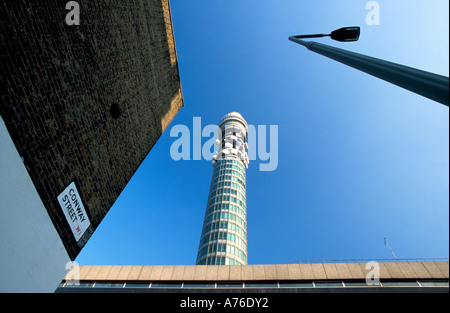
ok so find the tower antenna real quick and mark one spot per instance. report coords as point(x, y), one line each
point(386, 244)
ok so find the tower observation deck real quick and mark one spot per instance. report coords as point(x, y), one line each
point(223, 240)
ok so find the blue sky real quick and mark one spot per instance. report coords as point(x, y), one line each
point(359, 159)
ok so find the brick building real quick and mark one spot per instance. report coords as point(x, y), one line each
point(81, 105)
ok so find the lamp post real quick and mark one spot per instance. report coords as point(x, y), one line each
point(430, 85)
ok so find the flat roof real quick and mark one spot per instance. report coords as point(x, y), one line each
point(261, 272)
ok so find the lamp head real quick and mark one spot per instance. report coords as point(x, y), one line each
point(346, 34)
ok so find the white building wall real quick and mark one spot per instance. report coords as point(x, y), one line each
point(32, 256)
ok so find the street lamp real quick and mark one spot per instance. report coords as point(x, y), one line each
point(342, 34)
point(430, 85)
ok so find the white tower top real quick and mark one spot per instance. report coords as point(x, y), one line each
point(233, 130)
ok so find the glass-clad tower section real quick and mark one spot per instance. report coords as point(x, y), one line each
point(224, 234)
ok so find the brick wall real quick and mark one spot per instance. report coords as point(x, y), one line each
point(86, 103)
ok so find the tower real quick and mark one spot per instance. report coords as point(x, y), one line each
point(223, 240)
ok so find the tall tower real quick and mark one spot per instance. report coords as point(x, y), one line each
point(224, 234)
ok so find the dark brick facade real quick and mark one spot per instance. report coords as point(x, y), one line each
point(86, 103)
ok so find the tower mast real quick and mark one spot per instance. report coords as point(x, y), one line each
point(386, 244)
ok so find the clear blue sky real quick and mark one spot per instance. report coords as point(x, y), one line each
point(358, 158)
